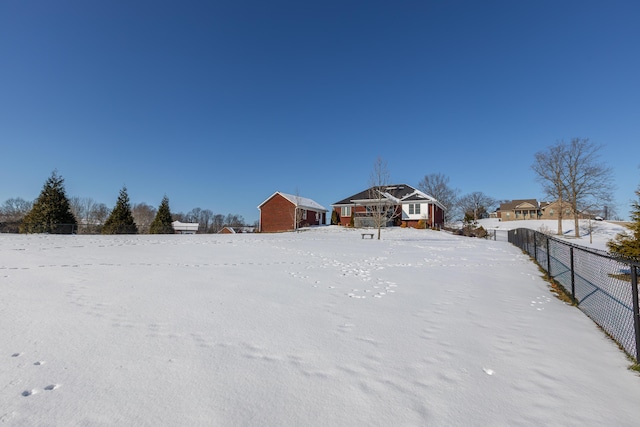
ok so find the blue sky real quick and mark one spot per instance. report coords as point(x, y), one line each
point(218, 104)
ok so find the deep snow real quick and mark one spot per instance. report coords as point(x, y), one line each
point(313, 328)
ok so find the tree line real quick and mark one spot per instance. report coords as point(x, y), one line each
point(54, 212)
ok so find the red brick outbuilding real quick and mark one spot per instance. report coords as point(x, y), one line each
point(286, 212)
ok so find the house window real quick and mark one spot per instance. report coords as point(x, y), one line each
point(304, 214)
point(414, 208)
point(551, 212)
point(411, 209)
point(345, 211)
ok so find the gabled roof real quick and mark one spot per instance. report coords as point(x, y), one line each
point(299, 202)
point(551, 205)
point(520, 203)
point(396, 193)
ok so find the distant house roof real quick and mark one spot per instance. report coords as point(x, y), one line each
point(185, 226)
point(519, 204)
point(397, 193)
point(299, 202)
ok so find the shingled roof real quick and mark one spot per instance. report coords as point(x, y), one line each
point(397, 192)
point(299, 202)
point(512, 205)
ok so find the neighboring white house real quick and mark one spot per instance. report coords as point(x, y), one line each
point(185, 227)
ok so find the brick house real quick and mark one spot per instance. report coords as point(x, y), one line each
point(524, 209)
point(550, 210)
point(227, 230)
point(519, 210)
point(286, 212)
point(410, 206)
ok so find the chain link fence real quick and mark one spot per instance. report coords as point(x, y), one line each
point(605, 288)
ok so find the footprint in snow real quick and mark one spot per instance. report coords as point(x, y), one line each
point(488, 371)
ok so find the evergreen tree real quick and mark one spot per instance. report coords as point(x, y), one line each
point(51, 212)
point(628, 245)
point(120, 220)
point(335, 219)
point(162, 222)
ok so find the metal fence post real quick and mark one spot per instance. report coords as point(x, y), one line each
point(548, 259)
point(573, 276)
point(636, 310)
point(535, 246)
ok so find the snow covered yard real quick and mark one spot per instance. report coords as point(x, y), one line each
point(312, 328)
point(593, 234)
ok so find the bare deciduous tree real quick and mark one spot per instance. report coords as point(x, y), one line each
point(11, 214)
point(296, 214)
point(218, 223)
point(234, 220)
point(437, 186)
point(572, 174)
point(194, 215)
point(143, 215)
point(588, 182)
point(14, 209)
point(98, 214)
point(381, 209)
point(549, 166)
point(476, 203)
point(205, 220)
point(83, 208)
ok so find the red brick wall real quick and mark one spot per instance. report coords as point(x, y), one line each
point(346, 220)
point(311, 218)
point(436, 220)
point(276, 215)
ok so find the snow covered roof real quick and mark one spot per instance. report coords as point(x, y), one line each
point(185, 226)
point(397, 193)
point(299, 202)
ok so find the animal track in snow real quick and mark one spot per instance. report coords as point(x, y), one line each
point(539, 301)
point(31, 392)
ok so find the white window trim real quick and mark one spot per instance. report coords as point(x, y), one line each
point(414, 209)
